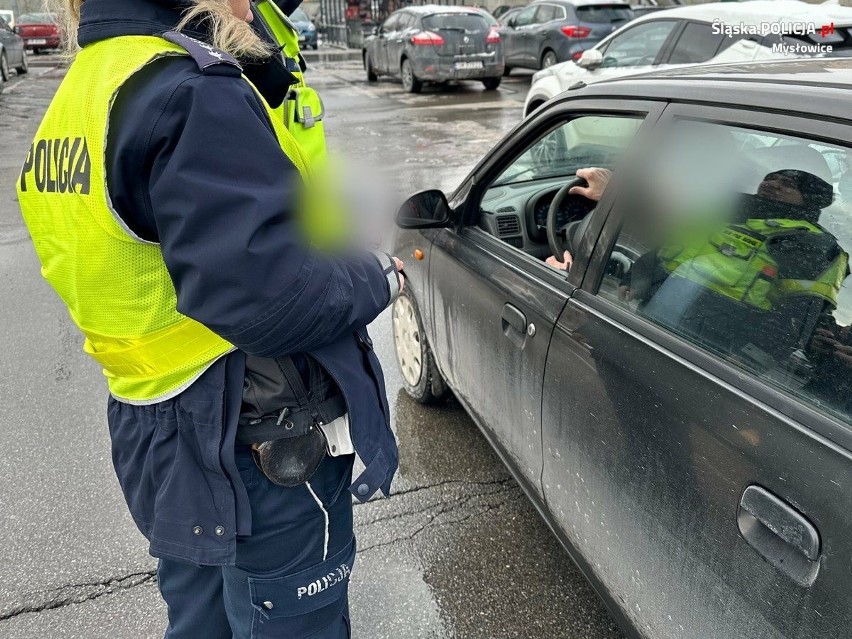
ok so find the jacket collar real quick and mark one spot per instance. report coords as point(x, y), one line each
point(101, 19)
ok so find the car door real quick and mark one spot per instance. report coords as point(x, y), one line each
point(515, 37)
point(494, 300)
point(10, 45)
point(697, 426)
point(386, 32)
point(542, 30)
point(396, 39)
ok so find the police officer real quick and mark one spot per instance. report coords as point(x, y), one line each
point(162, 193)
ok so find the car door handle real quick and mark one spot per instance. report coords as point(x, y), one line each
point(779, 533)
point(514, 324)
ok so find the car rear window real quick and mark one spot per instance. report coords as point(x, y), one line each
point(604, 13)
point(37, 18)
point(468, 22)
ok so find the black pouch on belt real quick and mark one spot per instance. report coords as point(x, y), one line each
point(289, 447)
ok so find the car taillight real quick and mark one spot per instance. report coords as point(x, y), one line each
point(427, 38)
point(575, 32)
point(577, 55)
point(493, 36)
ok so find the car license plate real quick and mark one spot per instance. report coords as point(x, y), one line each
point(461, 66)
point(38, 41)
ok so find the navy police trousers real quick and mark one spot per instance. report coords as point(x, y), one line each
point(291, 576)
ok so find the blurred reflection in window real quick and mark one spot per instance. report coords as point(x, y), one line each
point(739, 241)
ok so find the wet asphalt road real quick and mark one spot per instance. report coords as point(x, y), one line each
point(456, 552)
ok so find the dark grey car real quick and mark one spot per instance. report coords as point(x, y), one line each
point(551, 31)
point(678, 405)
point(13, 55)
point(436, 44)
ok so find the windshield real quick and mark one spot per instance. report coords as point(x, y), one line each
point(467, 22)
point(604, 13)
point(299, 16)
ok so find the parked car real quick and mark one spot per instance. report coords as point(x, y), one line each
point(436, 44)
point(13, 55)
point(40, 31)
point(641, 7)
point(687, 35)
point(551, 31)
point(8, 16)
point(307, 29)
point(692, 451)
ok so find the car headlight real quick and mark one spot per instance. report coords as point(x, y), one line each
point(544, 73)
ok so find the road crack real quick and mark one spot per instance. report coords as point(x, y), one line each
point(78, 593)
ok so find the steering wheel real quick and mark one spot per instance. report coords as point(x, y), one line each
point(555, 240)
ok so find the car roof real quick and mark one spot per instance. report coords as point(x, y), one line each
point(585, 3)
point(755, 12)
point(429, 9)
point(802, 85)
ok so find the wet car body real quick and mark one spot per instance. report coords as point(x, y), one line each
point(436, 44)
point(40, 31)
point(13, 54)
point(308, 36)
point(552, 31)
point(664, 470)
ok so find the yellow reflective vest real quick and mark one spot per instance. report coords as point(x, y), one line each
point(116, 285)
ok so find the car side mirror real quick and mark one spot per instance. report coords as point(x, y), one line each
point(17, 30)
point(424, 210)
point(591, 59)
point(377, 30)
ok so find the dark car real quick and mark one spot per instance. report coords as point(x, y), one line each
point(307, 29)
point(551, 31)
point(436, 44)
point(677, 405)
point(40, 31)
point(13, 55)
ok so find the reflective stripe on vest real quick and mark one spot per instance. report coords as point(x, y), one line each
point(116, 286)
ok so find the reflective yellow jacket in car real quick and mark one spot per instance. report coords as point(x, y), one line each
point(736, 262)
point(116, 286)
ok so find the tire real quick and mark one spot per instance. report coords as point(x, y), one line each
point(420, 376)
point(315, 46)
point(368, 65)
point(25, 64)
point(409, 81)
point(548, 59)
point(506, 71)
point(4, 67)
point(491, 84)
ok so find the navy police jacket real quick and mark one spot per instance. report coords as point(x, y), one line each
point(194, 165)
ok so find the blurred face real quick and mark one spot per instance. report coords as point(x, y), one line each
point(780, 188)
point(241, 9)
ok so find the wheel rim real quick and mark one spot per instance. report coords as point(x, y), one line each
point(406, 335)
point(549, 60)
point(407, 75)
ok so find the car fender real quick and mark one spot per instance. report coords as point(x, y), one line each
point(542, 91)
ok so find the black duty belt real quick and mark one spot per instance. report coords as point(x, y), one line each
point(288, 423)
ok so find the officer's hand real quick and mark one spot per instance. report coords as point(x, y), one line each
point(399, 266)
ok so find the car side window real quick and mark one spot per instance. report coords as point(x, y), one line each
point(526, 17)
point(738, 241)
point(548, 13)
point(392, 23)
point(4, 26)
point(639, 45)
point(515, 205)
point(697, 43)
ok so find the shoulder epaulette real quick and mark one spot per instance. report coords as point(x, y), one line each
point(205, 55)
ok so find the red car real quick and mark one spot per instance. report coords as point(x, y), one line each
point(40, 31)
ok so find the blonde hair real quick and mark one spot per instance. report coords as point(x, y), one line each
point(227, 32)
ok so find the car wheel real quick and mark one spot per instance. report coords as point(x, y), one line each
point(548, 59)
point(25, 64)
point(315, 46)
point(4, 66)
point(371, 72)
point(491, 84)
point(409, 81)
point(506, 71)
point(420, 376)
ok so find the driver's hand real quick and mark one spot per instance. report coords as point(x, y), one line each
point(597, 178)
point(563, 266)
